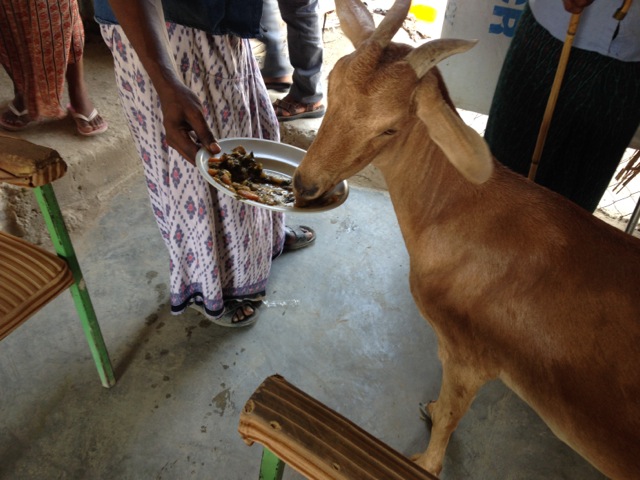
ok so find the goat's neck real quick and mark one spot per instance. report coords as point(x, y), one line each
point(423, 185)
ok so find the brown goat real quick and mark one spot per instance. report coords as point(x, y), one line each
point(517, 282)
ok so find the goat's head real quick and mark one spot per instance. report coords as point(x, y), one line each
point(376, 96)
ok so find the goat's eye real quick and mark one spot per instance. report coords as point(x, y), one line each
point(391, 131)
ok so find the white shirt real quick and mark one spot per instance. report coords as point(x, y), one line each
point(597, 31)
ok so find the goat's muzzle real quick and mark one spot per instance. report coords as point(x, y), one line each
point(304, 192)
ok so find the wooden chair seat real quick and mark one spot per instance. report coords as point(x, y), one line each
point(26, 164)
point(30, 277)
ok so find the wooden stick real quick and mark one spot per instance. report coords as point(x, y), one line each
point(553, 96)
point(622, 11)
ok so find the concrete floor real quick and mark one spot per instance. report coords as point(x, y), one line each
point(339, 324)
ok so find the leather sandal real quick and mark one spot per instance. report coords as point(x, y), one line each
point(233, 309)
point(301, 235)
point(290, 110)
point(234, 314)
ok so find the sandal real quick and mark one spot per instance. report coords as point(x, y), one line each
point(289, 110)
point(300, 233)
point(83, 123)
point(18, 123)
point(235, 308)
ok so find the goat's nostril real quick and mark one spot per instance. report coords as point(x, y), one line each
point(302, 190)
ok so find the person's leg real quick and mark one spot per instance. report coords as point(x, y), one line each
point(276, 68)
point(15, 61)
point(82, 108)
point(87, 119)
point(594, 122)
point(304, 37)
point(520, 97)
point(57, 37)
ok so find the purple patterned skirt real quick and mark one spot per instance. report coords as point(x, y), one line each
point(219, 249)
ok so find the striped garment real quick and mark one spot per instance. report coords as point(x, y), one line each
point(597, 113)
point(219, 249)
point(38, 39)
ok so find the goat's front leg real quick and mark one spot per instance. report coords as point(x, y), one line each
point(460, 384)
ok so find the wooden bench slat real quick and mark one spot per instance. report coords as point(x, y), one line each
point(317, 441)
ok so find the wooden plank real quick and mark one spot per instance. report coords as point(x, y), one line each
point(317, 441)
point(29, 165)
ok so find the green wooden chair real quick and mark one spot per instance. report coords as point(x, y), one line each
point(30, 276)
point(297, 430)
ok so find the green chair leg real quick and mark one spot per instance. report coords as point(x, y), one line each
point(62, 243)
point(271, 467)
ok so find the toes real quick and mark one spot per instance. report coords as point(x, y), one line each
point(97, 122)
point(242, 313)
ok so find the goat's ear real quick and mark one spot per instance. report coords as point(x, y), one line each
point(462, 145)
point(355, 20)
point(427, 55)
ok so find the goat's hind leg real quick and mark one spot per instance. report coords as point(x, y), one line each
point(460, 384)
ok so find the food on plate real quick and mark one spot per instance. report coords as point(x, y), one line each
point(242, 174)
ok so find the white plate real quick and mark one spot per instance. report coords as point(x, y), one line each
point(276, 158)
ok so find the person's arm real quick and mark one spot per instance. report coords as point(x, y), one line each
point(576, 6)
point(143, 23)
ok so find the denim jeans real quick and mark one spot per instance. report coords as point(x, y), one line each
point(304, 39)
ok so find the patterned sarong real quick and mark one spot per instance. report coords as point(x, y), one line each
point(38, 39)
point(219, 248)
